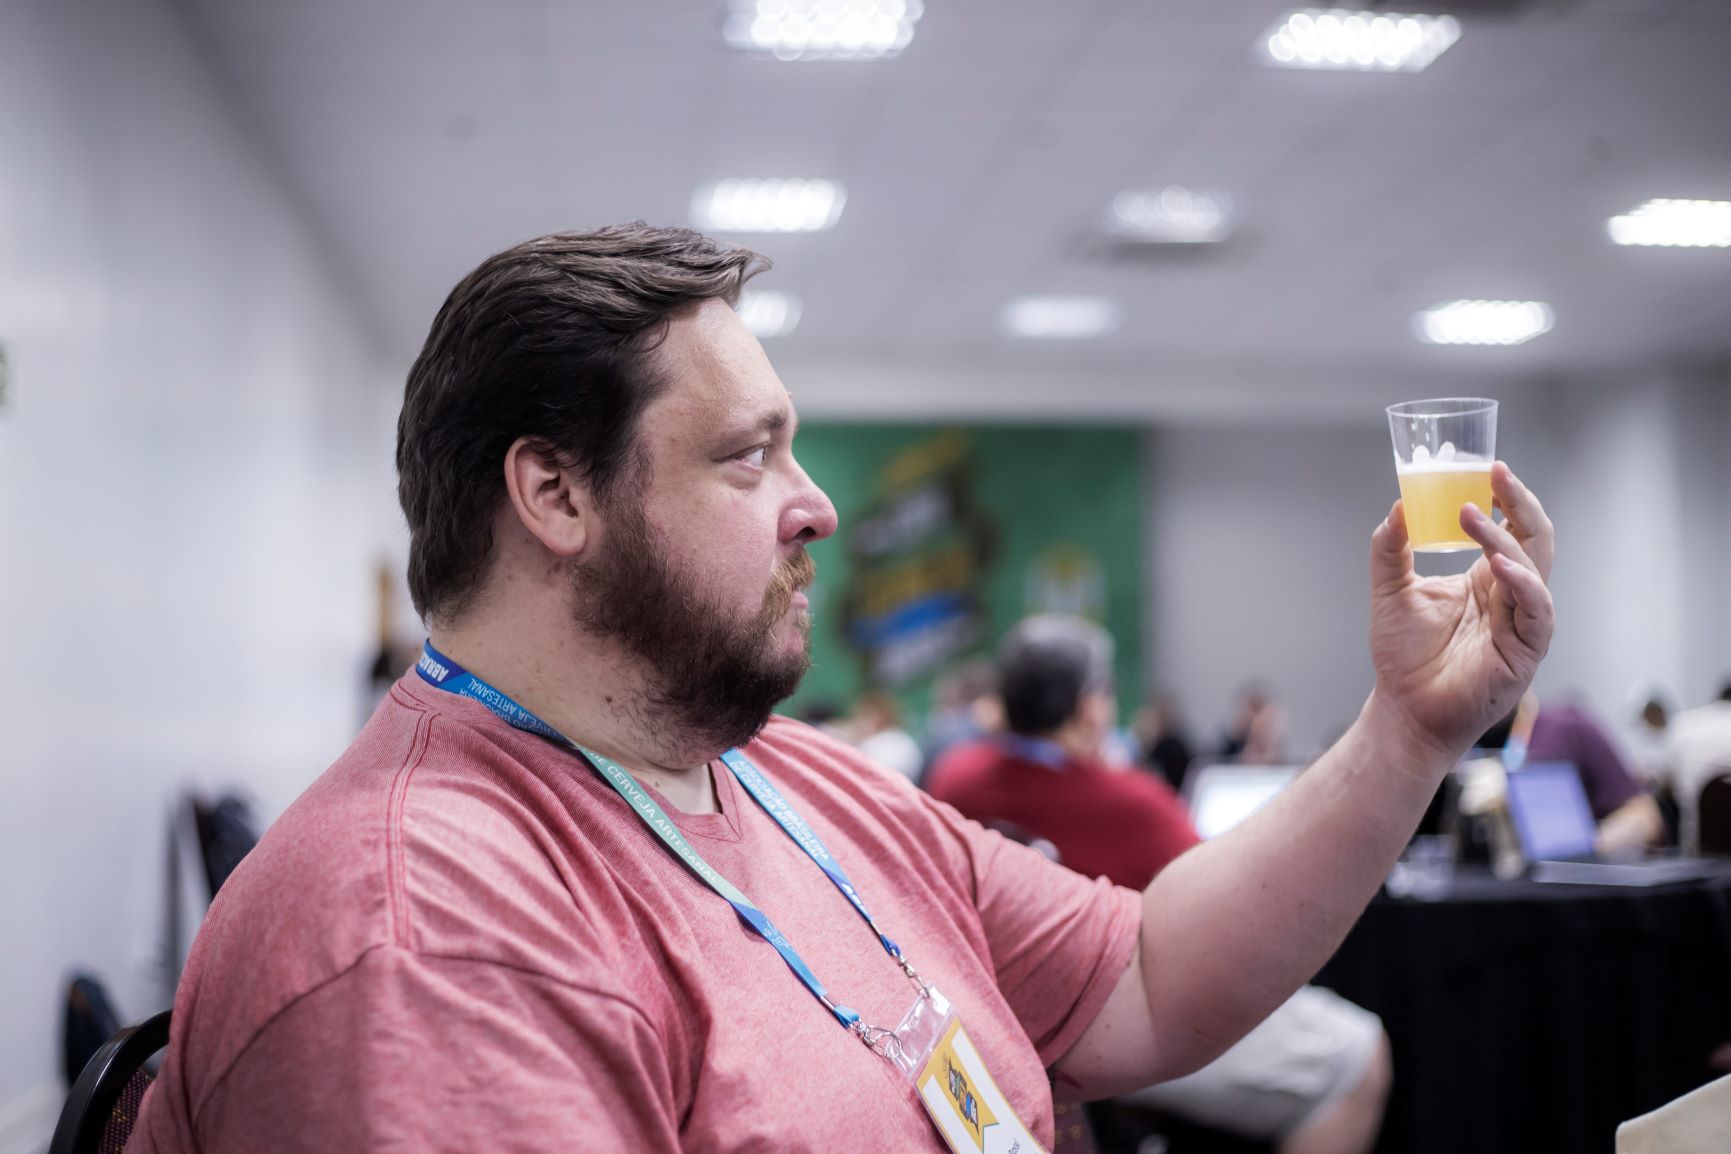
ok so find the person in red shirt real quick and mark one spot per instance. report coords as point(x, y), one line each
point(1046, 776)
point(533, 907)
point(1314, 1076)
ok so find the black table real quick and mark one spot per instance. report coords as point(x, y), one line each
point(1534, 1018)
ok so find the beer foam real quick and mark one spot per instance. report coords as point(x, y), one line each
point(1446, 460)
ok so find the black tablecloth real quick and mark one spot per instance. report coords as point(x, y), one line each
point(1534, 1018)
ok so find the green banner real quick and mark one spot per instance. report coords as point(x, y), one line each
point(949, 535)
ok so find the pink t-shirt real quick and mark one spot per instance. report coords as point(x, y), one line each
point(460, 938)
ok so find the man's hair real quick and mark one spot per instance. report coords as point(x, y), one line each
point(1045, 664)
point(552, 339)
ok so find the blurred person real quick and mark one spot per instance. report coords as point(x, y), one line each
point(1255, 732)
point(1699, 750)
point(1627, 814)
point(876, 729)
point(565, 886)
point(1162, 739)
point(964, 706)
point(1056, 688)
point(1646, 737)
point(1315, 1075)
point(824, 715)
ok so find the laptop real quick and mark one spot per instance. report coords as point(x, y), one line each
point(1556, 829)
point(1221, 796)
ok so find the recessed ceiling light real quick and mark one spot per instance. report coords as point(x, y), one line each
point(1483, 322)
point(768, 313)
point(1338, 38)
point(1675, 224)
point(768, 205)
point(1060, 317)
point(1171, 215)
point(822, 29)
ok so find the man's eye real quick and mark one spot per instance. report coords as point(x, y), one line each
point(755, 457)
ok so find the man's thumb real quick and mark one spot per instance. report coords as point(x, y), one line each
point(1390, 549)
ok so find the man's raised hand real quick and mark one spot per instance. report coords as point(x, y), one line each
point(1454, 654)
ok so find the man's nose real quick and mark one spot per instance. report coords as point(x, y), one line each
point(810, 516)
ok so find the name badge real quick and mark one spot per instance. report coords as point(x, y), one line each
point(935, 1054)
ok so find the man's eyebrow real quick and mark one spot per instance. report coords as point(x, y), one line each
point(770, 421)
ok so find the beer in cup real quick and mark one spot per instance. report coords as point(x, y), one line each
point(1443, 451)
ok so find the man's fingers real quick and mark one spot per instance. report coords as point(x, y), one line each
point(1494, 538)
point(1390, 550)
point(1526, 517)
point(1522, 594)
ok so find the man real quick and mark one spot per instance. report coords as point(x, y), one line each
point(1313, 1077)
point(469, 935)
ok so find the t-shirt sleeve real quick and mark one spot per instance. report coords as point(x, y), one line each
point(1059, 942)
point(405, 1052)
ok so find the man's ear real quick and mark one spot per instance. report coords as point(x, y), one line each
point(550, 499)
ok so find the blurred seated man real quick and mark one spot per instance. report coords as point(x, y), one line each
point(1158, 728)
point(1255, 734)
point(1628, 815)
point(1314, 1075)
point(964, 707)
point(1647, 737)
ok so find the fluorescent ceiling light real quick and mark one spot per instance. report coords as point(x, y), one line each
point(1171, 215)
point(1483, 322)
point(768, 205)
point(768, 313)
point(1675, 223)
point(1060, 317)
point(822, 29)
point(1359, 41)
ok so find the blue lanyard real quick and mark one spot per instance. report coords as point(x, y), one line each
point(440, 671)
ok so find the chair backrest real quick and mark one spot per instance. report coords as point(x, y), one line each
point(1713, 824)
point(103, 1105)
point(89, 1021)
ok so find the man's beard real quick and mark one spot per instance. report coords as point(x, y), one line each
point(713, 678)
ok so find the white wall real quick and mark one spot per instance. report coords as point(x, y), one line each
point(191, 494)
point(1641, 490)
point(1257, 569)
point(1258, 540)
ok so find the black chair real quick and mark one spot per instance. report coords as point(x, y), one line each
point(103, 1105)
point(1714, 815)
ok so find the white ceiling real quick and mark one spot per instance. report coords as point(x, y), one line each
point(423, 134)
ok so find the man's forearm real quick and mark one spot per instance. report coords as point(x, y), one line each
point(1233, 927)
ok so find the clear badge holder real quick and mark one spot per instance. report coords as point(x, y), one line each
point(909, 1046)
point(932, 1051)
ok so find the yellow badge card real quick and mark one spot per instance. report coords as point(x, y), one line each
point(965, 1104)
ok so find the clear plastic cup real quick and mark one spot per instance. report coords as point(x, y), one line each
point(1443, 451)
